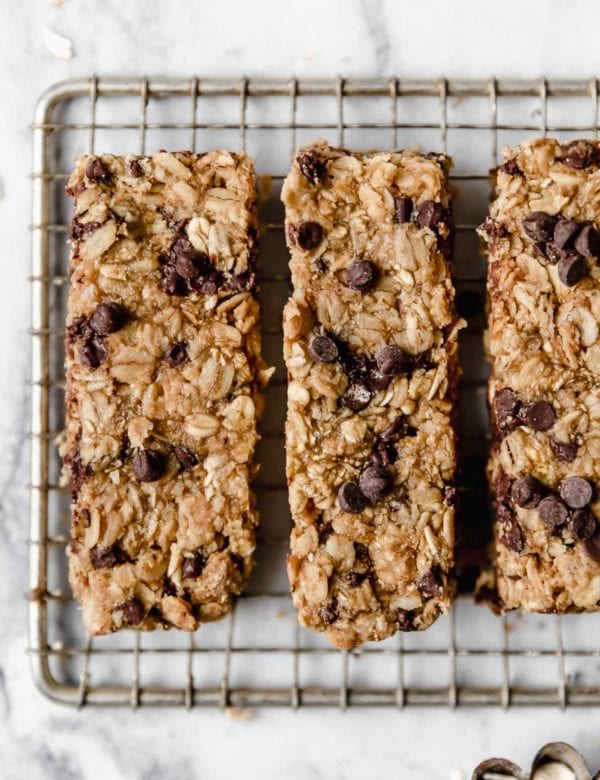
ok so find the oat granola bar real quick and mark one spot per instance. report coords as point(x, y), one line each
point(544, 391)
point(370, 342)
point(163, 373)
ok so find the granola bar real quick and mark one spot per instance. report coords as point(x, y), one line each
point(370, 342)
point(544, 391)
point(163, 377)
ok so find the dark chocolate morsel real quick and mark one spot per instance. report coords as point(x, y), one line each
point(538, 415)
point(505, 402)
point(582, 524)
point(148, 465)
point(186, 458)
point(171, 282)
point(510, 532)
point(362, 275)
point(403, 208)
point(592, 546)
point(107, 318)
point(429, 214)
point(176, 354)
point(329, 612)
point(308, 235)
point(511, 167)
point(323, 349)
point(565, 452)
point(311, 166)
point(134, 168)
point(578, 154)
point(576, 492)
point(351, 498)
point(405, 620)
point(571, 269)
point(193, 565)
point(92, 353)
point(553, 512)
point(132, 612)
point(375, 482)
point(393, 361)
point(539, 226)
point(565, 231)
point(356, 578)
point(96, 170)
point(587, 242)
point(357, 396)
point(105, 557)
point(189, 263)
point(527, 491)
point(430, 584)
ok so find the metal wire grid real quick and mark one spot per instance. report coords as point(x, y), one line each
point(77, 670)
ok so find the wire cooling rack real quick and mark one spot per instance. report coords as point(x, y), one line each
point(259, 656)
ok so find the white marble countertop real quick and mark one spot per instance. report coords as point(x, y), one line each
point(298, 37)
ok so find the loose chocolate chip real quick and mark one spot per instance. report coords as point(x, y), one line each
point(193, 565)
point(539, 226)
point(592, 546)
point(511, 167)
point(362, 275)
point(403, 208)
point(430, 584)
point(393, 361)
point(375, 482)
point(576, 492)
point(357, 396)
point(566, 453)
point(351, 498)
point(329, 612)
point(577, 154)
point(527, 491)
point(323, 349)
point(587, 242)
point(107, 318)
point(356, 578)
point(105, 557)
point(92, 353)
point(571, 269)
point(582, 524)
point(553, 512)
point(405, 620)
point(134, 169)
point(565, 231)
point(96, 170)
point(148, 465)
point(171, 282)
point(511, 533)
point(469, 303)
point(186, 458)
point(429, 214)
point(132, 612)
point(308, 235)
point(311, 166)
point(189, 263)
point(176, 354)
point(538, 415)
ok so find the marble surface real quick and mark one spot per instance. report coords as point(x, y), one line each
point(301, 37)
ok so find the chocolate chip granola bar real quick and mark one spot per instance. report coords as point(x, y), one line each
point(370, 341)
point(163, 373)
point(544, 392)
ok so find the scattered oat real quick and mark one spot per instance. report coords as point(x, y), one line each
point(57, 44)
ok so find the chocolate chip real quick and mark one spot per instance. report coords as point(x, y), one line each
point(405, 620)
point(376, 380)
point(510, 532)
point(107, 318)
point(323, 349)
point(553, 512)
point(587, 242)
point(169, 587)
point(397, 430)
point(356, 578)
point(393, 361)
point(375, 482)
point(80, 229)
point(384, 454)
point(565, 231)
point(511, 167)
point(539, 226)
point(403, 208)
point(469, 303)
point(308, 235)
point(505, 402)
point(311, 166)
point(148, 465)
point(576, 492)
point(571, 269)
point(132, 612)
point(493, 229)
point(186, 458)
point(193, 565)
point(582, 524)
point(362, 275)
point(502, 486)
point(430, 584)
point(538, 415)
point(566, 453)
point(189, 263)
point(96, 170)
point(577, 154)
point(171, 282)
point(92, 353)
point(429, 214)
point(361, 553)
point(176, 354)
point(550, 253)
point(357, 396)
point(134, 169)
point(242, 282)
point(527, 491)
point(105, 557)
point(329, 612)
point(351, 498)
point(592, 546)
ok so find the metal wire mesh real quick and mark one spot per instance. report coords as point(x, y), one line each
point(259, 656)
